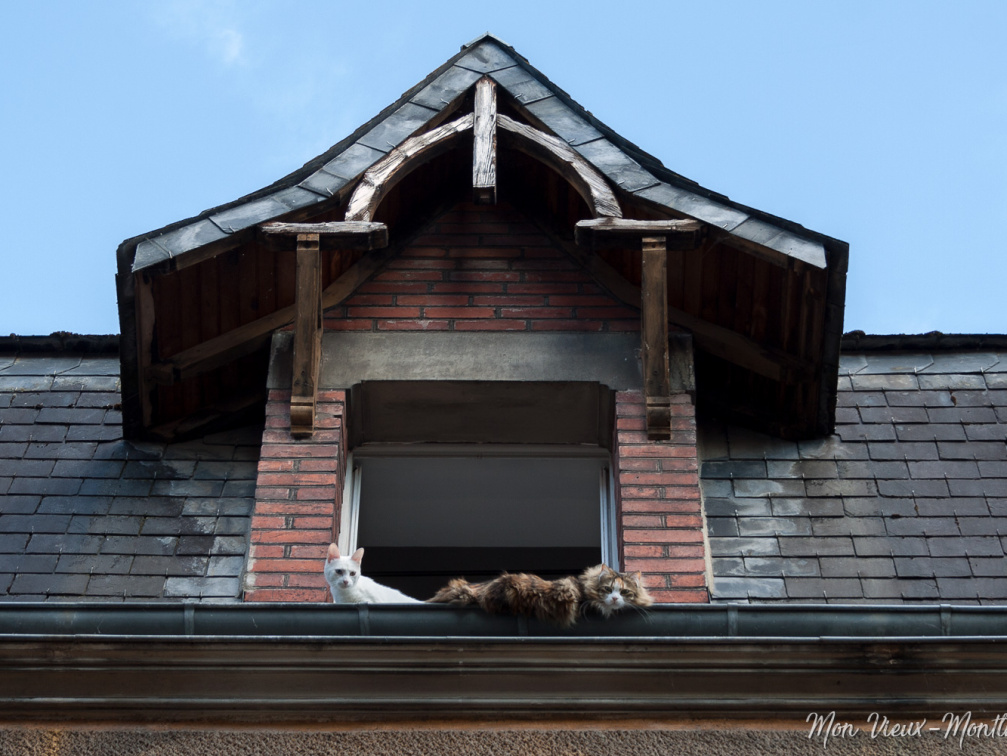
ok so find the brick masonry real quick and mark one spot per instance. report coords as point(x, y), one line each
point(482, 268)
point(298, 498)
point(659, 509)
point(479, 268)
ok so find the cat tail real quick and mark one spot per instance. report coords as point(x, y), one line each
point(458, 592)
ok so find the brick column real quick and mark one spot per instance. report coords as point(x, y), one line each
point(297, 502)
point(660, 516)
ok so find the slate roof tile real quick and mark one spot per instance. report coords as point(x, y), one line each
point(906, 590)
point(59, 542)
point(520, 84)
point(127, 586)
point(563, 121)
point(104, 525)
point(821, 587)
point(917, 567)
point(801, 507)
point(995, 380)
point(760, 487)
point(782, 526)
point(983, 526)
point(884, 381)
point(986, 566)
point(73, 382)
point(861, 399)
point(862, 567)
point(842, 487)
point(749, 588)
point(821, 468)
point(16, 383)
point(744, 547)
point(49, 584)
point(872, 469)
point(856, 432)
point(944, 432)
point(20, 504)
point(88, 564)
point(918, 399)
point(444, 89)
point(170, 566)
point(223, 587)
point(486, 58)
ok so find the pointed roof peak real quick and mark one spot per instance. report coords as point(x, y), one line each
point(490, 37)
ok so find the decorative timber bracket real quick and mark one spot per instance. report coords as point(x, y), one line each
point(309, 240)
point(653, 239)
point(485, 124)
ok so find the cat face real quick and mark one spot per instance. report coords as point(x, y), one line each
point(608, 591)
point(342, 572)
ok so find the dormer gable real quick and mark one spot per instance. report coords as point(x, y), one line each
point(761, 296)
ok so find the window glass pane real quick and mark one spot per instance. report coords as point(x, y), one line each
point(426, 519)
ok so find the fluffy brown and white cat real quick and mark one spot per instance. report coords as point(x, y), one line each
point(598, 588)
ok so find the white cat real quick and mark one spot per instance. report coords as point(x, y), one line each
point(348, 586)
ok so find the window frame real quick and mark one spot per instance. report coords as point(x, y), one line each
point(353, 480)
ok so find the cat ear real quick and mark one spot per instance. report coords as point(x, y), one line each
point(333, 552)
point(357, 555)
point(605, 568)
point(638, 577)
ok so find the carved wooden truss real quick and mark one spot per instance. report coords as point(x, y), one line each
point(607, 230)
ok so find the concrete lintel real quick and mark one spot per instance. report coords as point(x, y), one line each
point(611, 359)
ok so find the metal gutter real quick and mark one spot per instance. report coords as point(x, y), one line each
point(295, 662)
point(397, 622)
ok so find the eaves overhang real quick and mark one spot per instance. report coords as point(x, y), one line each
point(299, 662)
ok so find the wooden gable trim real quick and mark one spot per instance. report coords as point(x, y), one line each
point(554, 152)
point(398, 163)
point(412, 153)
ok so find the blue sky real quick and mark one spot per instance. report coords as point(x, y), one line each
point(881, 123)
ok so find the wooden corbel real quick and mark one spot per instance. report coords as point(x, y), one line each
point(310, 240)
point(307, 335)
point(653, 239)
point(654, 336)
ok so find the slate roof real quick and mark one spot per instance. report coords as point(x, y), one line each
point(622, 162)
point(84, 514)
point(906, 503)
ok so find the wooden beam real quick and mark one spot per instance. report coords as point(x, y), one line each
point(654, 337)
point(398, 163)
point(484, 150)
point(335, 235)
point(569, 164)
point(307, 335)
point(624, 233)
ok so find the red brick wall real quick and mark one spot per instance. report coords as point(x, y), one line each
point(297, 502)
point(659, 510)
point(482, 268)
point(477, 268)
